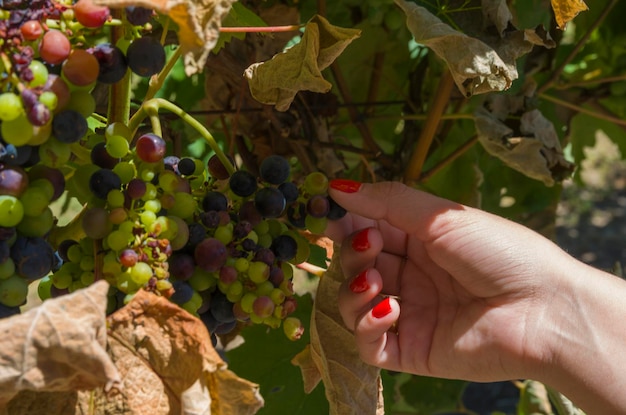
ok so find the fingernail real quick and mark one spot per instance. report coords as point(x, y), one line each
point(360, 242)
point(381, 309)
point(359, 283)
point(345, 185)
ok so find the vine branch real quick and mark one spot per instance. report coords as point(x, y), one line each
point(583, 110)
point(448, 159)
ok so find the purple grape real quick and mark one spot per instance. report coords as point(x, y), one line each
point(214, 201)
point(335, 212)
point(221, 309)
point(186, 166)
point(274, 169)
point(296, 214)
point(217, 169)
point(101, 157)
point(181, 265)
point(243, 183)
point(54, 176)
point(13, 180)
point(318, 206)
point(33, 257)
point(69, 126)
point(146, 56)
point(136, 188)
point(290, 191)
point(270, 202)
point(137, 15)
point(171, 163)
point(284, 247)
point(265, 255)
point(249, 213)
point(6, 311)
point(103, 181)
point(210, 254)
point(112, 62)
point(182, 292)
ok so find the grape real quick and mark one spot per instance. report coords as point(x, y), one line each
point(10, 106)
point(217, 169)
point(184, 205)
point(136, 189)
point(69, 126)
point(318, 206)
point(335, 211)
point(7, 266)
point(81, 68)
point(150, 148)
point(315, 183)
point(186, 166)
point(31, 30)
point(49, 99)
point(210, 322)
point(103, 181)
point(55, 47)
point(90, 15)
point(6, 311)
point(5, 252)
point(100, 156)
point(221, 309)
point(290, 191)
point(293, 328)
point(225, 328)
point(112, 63)
point(140, 273)
point(265, 255)
point(315, 225)
point(128, 257)
point(13, 181)
point(37, 225)
point(214, 201)
point(210, 254)
point(138, 16)
point(183, 292)
point(52, 175)
point(82, 102)
point(228, 274)
point(34, 200)
point(263, 306)
point(18, 131)
point(274, 169)
point(13, 291)
point(243, 183)
point(59, 88)
point(284, 247)
point(146, 56)
point(181, 265)
point(96, 223)
point(171, 163)
point(270, 202)
point(33, 257)
point(11, 211)
point(258, 272)
point(40, 74)
point(54, 153)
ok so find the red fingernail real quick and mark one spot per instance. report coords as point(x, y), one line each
point(381, 309)
point(360, 242)
point(345, 185)
point(359, 283)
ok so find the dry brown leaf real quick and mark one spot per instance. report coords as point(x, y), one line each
point(533, 150)
point(299, 68)
point(352, 387)
point(199, 23)
point(311, 374)
point(58, 346)
point(476, 66)
point(497, 12)
point(168, 365)
point(566, 10)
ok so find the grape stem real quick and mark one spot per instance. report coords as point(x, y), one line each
point(152, 106)
point(261, 29)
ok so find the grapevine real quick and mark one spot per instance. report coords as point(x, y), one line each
point(209, 236)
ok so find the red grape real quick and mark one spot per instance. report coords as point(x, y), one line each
point(150, 148)
point(31, 30)
point(210, 254)
point(81, 68)
point(55, 47)
point(90, 15)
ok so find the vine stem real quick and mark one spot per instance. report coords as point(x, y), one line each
point(151, 107)
point(156, 82)
point(438, 106)
point(448, 159)
point(583, 110)
point(261, 29)
point(579, 45)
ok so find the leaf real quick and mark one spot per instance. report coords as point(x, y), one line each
point(533, 149)
point(58, 346)
point(477, 67)
point(497, 13)
point(199, 23)
point(566, 10)
point(300, 67)
point(534, 398)
point(168, 365)
point(352, 387)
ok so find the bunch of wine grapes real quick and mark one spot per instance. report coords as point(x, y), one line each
point(217, 240)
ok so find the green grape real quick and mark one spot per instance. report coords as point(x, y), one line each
point(258, 272)
point(272, 321)
point(118, 240)
point(253, 236)
point(7, 268)
point(62, 278)
point(118, 128)
point(13, 291)
point(262, 228)
point(185, 206)
point(292, 326)
point(40, 74)
point(124, 282)
point(147, 175)
point(152, 205)
point(276, 227)
point(35, 200)
point(224, 233)
point(44, 186)
point(202, 280)
point(234, 291)
point(49, 99)
point(75, 286)
point(74, 253)
point(111, 268)
point(10, 106)
point(287, 269)
point(41, 134)
point(36, 226)
point(315, 225)
point(241, 264)
point(147, 217)
point(127, 227)
point(140, 273)
point(87, 263)
point(54, 153)
point(315, 183)
point(165, 227)
point(43, 288)
point(265, 240)
point(79, 185)
point(11, 211)
point(247, 301)
point(117, 146)
point(151, 192)
point(82, 102)
point(87, 278)
point(277, 295)
point(115, 198)
point(17, 131)
point(168, 181)
point(125, 170)
point(264, 288)
point(182, 233)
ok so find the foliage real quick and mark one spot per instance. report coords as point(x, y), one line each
point(489, 103)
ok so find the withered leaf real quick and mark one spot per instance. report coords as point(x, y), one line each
point(299, 68)
point(476, 66)
point(352, 387)
point(534, 149)
point(58, 346)
point(566, 10)
point(199, 23)
point(168, 365)
point(497, 13)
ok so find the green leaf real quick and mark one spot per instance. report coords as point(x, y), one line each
point(265, 358)
point(428, 395)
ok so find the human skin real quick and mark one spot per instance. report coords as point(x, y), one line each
point(444, 290)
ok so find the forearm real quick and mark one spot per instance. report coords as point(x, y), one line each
point(586, 332)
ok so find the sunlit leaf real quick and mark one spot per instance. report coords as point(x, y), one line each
point(566, 10)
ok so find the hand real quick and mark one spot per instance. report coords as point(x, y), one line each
point(464, 290)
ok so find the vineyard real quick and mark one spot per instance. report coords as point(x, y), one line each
point(164, 177)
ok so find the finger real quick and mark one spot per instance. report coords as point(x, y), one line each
point(338, 230)
point(356, 295)
point(377, 343)
point(402, 206)
point(359, 250)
